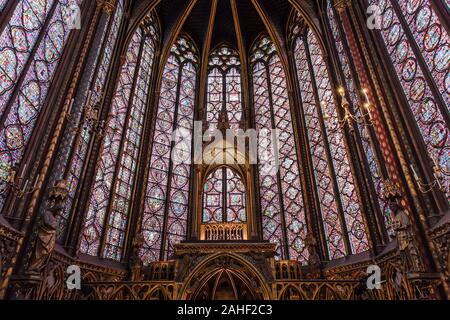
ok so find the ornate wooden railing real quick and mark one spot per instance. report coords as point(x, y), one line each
point(165, 290)
point(152, 290)
point(223, 232)
point(315, 290)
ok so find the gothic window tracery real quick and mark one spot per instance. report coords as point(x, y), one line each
point(224, 197)
point(343, 222)
point(418, 46)
point(165, 214)
point(108, 211)
point(283, 216)
point(75, 163)
point(32, 44)
point(31, 47)
point(224, 86)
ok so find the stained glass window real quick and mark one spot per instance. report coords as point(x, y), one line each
point(3, 4)
point(74, 165)
point(432, 40)
point(340, 210)
point(21, 102)
point(224, 86)
point(284, 221)
point(224, 197)
point(323, 175)
point(367, 144)
point(423, 29)
point(165, 215)
point(109, 204)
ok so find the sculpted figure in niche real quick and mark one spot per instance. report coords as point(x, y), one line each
point(46, 236)
point(406, 244)
point(314, 262)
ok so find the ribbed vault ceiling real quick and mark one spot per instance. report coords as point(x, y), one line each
point(193, 17)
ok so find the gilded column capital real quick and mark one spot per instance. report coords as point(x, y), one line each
point(107, 5)
point(391, 190)
point(341, 5)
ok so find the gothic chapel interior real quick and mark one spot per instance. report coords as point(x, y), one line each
point(91, 92)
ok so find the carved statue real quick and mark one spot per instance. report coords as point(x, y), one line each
point(135, 261)
point(314, 262)
point(409, 253)
point(46, 236)
point(406, 244)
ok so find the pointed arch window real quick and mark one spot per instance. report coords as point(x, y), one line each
point(224, 197)
point(74, 162)
point(343, 223)
point(284, 220)
point(419, 48)
point(224, 86)
point(108, 211)
point(31, 47)
point(164, 221)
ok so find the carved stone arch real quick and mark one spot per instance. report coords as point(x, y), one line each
point(241, 172)
point(236, 168)
point(309, 14)
point(89, 277)
point(213, 267)
point(282, 54)
point(159, 292)
point(289, 292)
point(53, 285)
point(173, 34)
point(277, 39)
point(224, 44)
point(164, 56)
point(134, 25)
point(306, 24)
point(188, 37)
point(228, 265)
point(139, 12)
point(397, 284)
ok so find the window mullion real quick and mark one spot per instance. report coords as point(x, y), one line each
point(121, 152)
point(76, 142)
point(285, 248)
point(224, 195)
point(170, 171)
point(91, 87)
point(328, 152)
point(26, 67)
point(421, 61)
point(224, 171)
point(317, 221)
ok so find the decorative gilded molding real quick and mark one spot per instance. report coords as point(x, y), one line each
point(142, 291)
point(442, 229)
point(107, 5)
point(391, 190)
point(341, 5)
point(9, 233)
point(87, 267)
point(204, 248)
